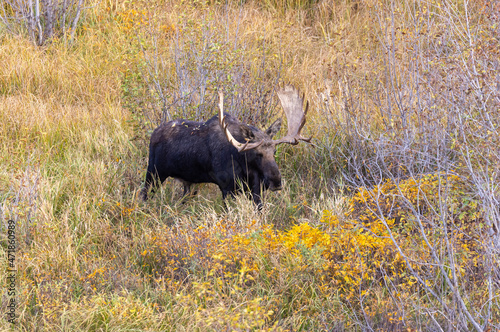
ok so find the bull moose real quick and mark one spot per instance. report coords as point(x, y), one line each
point(235, 156)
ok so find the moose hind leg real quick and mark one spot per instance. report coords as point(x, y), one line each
point(153, 180)
point(147, 184)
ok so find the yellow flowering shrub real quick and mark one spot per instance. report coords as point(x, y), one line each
point(355, 255)
point(408, 222)
point(425, 196)
point(342, 255)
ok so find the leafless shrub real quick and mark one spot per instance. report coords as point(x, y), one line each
point(430, 108)
point(181, 80)
point(20, 204)
point(42, 19)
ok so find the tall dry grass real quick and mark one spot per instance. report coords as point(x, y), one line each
point(90, 256)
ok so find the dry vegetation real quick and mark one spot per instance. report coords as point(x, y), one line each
point(389, 221)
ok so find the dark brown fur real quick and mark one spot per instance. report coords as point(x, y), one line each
point(198, 152)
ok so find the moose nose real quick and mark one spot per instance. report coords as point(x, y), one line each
point(275, 186)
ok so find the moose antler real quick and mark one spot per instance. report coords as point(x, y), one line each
point(292, 104)
point(222, 120)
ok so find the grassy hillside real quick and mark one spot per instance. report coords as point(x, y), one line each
point(388, 221)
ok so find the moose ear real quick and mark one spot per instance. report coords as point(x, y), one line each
point(247, 132)
point(274, 128)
